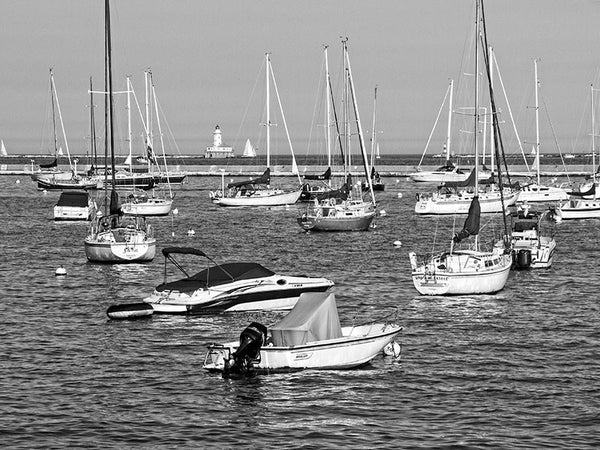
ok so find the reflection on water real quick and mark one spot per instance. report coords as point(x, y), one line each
point(512, 369)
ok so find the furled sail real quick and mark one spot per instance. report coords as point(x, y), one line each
point(50, 165)
point(471, 226)
point(265, 178)
point(323, 176)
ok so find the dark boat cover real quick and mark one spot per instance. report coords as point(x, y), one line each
point(591, 191)
point(323, 176)
point(470, 181)
point(215, 275)
point(265, 178)
point(49, 165)
point(182, 250)
point(471, 226)
point(313, 318)
point(342, 193)
point(73, 198)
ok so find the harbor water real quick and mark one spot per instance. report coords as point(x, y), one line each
point(517, 369)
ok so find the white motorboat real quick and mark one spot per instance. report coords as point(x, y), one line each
point(309, 337)
point(577, 208)
point(234, 286)
point(532, 247)
point(140, 204)
point(74, 205)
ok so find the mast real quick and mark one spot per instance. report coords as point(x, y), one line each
point(373, 132)
point(268, 124)
point(129, 122)
point(476, 107)
point(358, 124)
point(53, 114)
point(492, 149)
point(537, 122)
point(449, 130)
point(160, 134)
point(114, 198)
point(328, 102)
point(93, 149)
point(593, 137)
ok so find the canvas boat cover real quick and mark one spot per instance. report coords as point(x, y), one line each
point(265, 178)
point(50, 165)
point(79, 199)
point(215, 275)
point(314, 318)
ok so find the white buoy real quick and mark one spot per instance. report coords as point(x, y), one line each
point(397, 181)
point(392, 349)
point(61, 272)
point(397, 244)
point(399, 194)
point(44, 192)
point(382, 213)
point(18, 181)
point(191, 232)
point(175, 211)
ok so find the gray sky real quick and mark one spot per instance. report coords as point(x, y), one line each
point(206, 57)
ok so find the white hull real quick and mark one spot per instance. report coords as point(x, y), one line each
point(578, 209)
point(347, 216)
point(122, 245)
point(358, 346)
point(73, 212)
point(260, 198)
point(443, 176)
point(459, 204)
point(275, 293)
point(542, 251)
point(151, 207)
point(462, 273)
point(535, 193)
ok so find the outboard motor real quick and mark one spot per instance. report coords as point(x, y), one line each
point(248, 352)
point(523, 259)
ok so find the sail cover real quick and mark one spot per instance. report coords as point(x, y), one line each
point(590, 191)
point(471, 226)
point(314, 318)
point(322, 176)
point(265, 178)
point(50, 165)
point(470, 181)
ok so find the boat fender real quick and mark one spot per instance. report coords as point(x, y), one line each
point(105, 224)
point(332, 201)
point(417, 196)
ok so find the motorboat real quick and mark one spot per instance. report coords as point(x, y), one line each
point(308, 337)
point(531, 246)
point(74, 205)
point(232, 286)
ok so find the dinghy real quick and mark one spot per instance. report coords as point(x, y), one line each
point(309, 337)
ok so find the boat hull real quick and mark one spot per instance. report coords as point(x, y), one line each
point(258, 296)
point(120, 252)
point(278, 199)
point(578, 209)
point(73, 213)
point(459, 204)
point(535, 193)
point(149, 208)
point(358, 346)
point(315, 223)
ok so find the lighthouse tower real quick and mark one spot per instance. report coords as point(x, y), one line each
point(218, 149)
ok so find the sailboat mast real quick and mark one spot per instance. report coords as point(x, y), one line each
point(160, 134)
point(492, 149)
point(537, 122)
point(476, 118)
point(268, 124)
point(593, 137)
point(92, 128)
point(360, 132)
point(328, 102)
point(129, 122)
point(110, 112)
point(53, 114)
point(373, 132)
point(449, 129)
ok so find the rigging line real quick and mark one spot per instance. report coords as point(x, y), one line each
point(318, 102)
point(554, 136)
point(434, 125)
point(258, 76)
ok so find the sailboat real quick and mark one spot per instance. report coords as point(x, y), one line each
point(449, 171)
point(112, 237)
point(343, 209)
point(582, 204)
point(138, 202)
point(249, 151)
point(536, 192)
point(258, 191)
point(3, 151)
point(376, 182)
point(49, 176)
point(469, 271)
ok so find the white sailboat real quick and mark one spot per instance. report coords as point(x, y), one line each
point(582, 205)
point(343, 209)
point(3, 151)
point(258, 191)
point(113, 238)
point(536, 191)
point(140, 203)
point(249, 151)
point(470, 271)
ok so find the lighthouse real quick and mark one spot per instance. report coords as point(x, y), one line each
point(218, 149)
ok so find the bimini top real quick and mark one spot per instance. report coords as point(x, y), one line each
point(73, 198)
point(314, 318)
point(215, 275)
